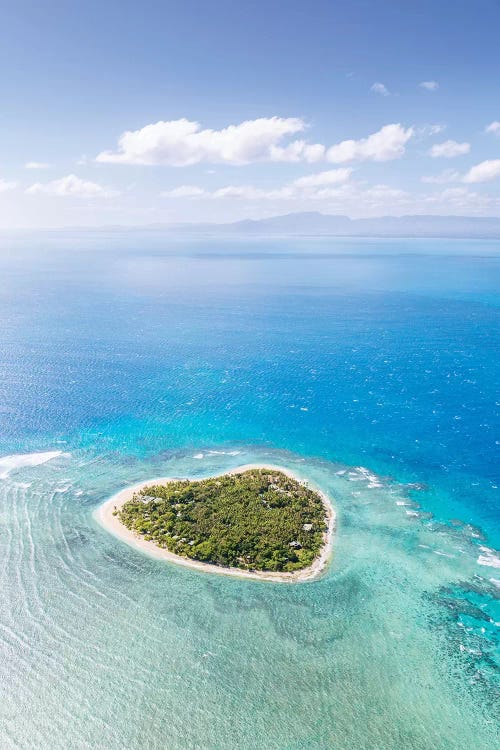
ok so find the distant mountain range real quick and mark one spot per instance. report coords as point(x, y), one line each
point(314, 223)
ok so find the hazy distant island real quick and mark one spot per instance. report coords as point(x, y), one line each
point(257, 521)
point(316, 224)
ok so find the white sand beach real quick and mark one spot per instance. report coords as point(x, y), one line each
point(104, 516)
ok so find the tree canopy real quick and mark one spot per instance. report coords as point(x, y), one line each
point(260, 519)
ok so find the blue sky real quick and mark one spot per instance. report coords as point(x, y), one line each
point(247, 109)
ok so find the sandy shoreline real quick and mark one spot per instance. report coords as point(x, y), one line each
point(104, 516)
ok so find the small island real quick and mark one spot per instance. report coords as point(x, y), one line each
point(257, 521)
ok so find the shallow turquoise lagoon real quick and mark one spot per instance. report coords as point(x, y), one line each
point(370, 368)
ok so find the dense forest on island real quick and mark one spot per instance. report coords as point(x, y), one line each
point(260, 519)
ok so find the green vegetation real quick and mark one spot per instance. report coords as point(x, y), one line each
point(257, 520)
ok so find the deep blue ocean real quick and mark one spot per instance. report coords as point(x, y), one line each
point(370, 365)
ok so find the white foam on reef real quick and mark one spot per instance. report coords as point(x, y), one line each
point(199, 456)
point(361, 473)
point(17, 461)
point(488, 558)
point(443, 554)
point(224, 453)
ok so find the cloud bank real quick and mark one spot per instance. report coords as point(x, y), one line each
point(181, 143)
point(304, 187)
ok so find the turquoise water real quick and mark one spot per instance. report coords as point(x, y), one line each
point(366, 368)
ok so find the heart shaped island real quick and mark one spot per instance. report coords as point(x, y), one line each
point(256, 522)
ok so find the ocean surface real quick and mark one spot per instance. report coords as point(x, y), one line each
point(369, 367)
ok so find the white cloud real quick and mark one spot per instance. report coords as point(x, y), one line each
point(386, 144)
point(380, 88)
point(228, 191)
point(340, 194)
point(243, 192)
point(306, 187)
point(321, 188)
point(246, 192)
point(71, 185)
point(356, 198)
point(182, 142)
point(298, 151)
point(6, 185)
point(448, 175)
point(184, 191)
point(36, 165)
point(460, 201)
point(429, 85)
point(381, 196)
point(431, 129)
point(483, 172)
point(449, 149)
point(493, 127)
point(330, 177)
